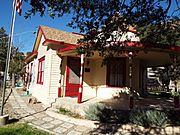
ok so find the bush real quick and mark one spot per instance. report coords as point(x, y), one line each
point(69, 113)
point(148, 117)
point(98, 112)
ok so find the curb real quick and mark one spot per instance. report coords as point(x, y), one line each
point(80, 122)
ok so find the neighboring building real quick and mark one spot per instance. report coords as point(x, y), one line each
point(55, 70)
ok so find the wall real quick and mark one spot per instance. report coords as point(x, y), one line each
point(96, 80)
point(94, 84)
point(38, 90)
point(54, 75)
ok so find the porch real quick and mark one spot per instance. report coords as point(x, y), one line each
point(118, 103)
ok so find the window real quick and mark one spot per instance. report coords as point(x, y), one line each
point(30, 72)
point(41, 64)
point(116, 72)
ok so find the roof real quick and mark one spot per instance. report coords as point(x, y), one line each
point(60, 36)
point(53, 36)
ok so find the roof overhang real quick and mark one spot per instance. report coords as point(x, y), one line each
point(149, 54)
point(152, 47)
point(30, 57)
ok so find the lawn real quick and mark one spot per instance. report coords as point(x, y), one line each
point(20, 129)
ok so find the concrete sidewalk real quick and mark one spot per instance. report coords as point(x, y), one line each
point(55, 123)
point(36, 116)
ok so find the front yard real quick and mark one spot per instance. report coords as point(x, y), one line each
point(20, 129)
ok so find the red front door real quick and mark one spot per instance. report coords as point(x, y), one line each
point(72, 76)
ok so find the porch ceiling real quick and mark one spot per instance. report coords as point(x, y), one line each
point(152, 58)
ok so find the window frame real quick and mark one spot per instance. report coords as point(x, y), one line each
point(123, 61)
point(40, 73)
point(30, 73)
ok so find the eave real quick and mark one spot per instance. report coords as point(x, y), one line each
point(30, 57)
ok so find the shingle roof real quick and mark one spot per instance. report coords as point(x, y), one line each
point(60, 36)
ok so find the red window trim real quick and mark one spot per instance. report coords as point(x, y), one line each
point(31, 72)
point(108, 73)
point(40, 72)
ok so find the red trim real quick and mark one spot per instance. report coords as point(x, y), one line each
point(107, 86)
point(67, 74)
point(138, 45)
point(32, 54)
point(70, 48)
point(52, 41)
point(59, 42)
point(147, 45)
point(40, 28)
point(123, 60)
point(79, 34)
point(70, 87)
point(31, 71)
point(59, 92)
point(40, 71)
point(79, 98)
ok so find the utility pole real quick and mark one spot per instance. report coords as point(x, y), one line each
point(8, 56)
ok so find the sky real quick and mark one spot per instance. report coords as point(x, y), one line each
point(24, 28)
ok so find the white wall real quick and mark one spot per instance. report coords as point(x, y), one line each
point(54, 76)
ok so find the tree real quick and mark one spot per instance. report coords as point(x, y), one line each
point(3, 48)
point(16, 59)
point(17, 62)
point(102, 20)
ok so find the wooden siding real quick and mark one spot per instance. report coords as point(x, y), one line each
point(54, 75)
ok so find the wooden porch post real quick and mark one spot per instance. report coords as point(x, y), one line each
point(81, 80)
point(131, 103)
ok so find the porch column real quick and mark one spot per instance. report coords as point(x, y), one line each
point(130, 80)
point(81, 80)
point(174, 64)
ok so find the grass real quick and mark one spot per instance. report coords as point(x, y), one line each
point(65, 111)
point(20, 129)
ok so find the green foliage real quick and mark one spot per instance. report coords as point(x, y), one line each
point(65, 111)
point(16, 59)
point(148, 117)
point(175, 94)
point(17, 62)
point(98, 112)
point(3, 48)
point(20, 129)
point(103, 20)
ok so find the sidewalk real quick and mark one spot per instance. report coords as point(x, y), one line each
point(55, 123)
point(35, 115)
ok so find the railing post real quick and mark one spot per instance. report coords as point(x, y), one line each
point(81, 80)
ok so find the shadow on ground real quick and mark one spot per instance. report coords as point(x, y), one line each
point(119, 122)
point(13, 120)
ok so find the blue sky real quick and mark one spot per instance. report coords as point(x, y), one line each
point(24, 28)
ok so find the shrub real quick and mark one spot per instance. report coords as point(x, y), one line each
point(69, 113)
point(98, 112)
point(148, 117)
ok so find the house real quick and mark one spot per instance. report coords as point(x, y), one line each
point(55, 70)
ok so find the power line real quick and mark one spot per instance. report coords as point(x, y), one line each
point(17, 34)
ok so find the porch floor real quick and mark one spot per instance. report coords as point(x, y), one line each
point(116, 103)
